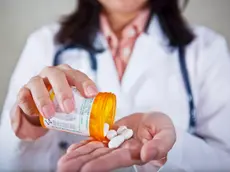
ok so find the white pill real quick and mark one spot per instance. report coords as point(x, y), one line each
point(121, 129)
point(111, 134)
point(128, 133)
point(116, 141)
point(106, 129)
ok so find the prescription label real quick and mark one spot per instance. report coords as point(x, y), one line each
point(77, 122)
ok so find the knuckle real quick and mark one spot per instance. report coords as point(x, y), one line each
point(47, 69)
point(72, 147)
point(52, 72)
point(63, 94)
point(95, 145)
point(35, 79)
point(80, 73)
point(64, 66)
point(86, 83)
point(57, 73)
point(162, 150)
point(42, 100)
point(81, 78)
point(22, 97)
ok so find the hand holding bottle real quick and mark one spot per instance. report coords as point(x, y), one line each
point(34, 99)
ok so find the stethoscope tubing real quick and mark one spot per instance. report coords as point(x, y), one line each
point(183, 68)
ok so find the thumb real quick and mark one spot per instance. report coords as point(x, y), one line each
point(159, 146)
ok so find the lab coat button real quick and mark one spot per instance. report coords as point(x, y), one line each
point(63, 145)
point(126, 52)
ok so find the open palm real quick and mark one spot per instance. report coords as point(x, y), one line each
point(154, 136)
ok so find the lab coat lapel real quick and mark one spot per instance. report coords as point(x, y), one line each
point(148, 54)
point(107, 77)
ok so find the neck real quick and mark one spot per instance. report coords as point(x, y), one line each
point(118, 21)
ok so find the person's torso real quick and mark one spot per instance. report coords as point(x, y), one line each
point(152, 80)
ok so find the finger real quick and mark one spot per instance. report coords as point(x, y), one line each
point(118, 158)
point(41, 97)
point(129, 121)
point(61, 88)
point(75, 146)
point(75, 164)
point(94, 155)
point(83, 150)
point(26, 103)
point(75, 159)
point(159, 146)
point(81, 81)
point(134, 146)
point(145, 133)
point(156, 121)
point(28, 107)
point(82, 160)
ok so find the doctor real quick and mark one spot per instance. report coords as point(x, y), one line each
point(135, 43)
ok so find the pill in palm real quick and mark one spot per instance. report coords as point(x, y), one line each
point(106, 129)
point(128, 134)
point(121, 129)
point(116, 141)
point(111, 134)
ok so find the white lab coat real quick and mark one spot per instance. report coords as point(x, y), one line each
point(152, 82)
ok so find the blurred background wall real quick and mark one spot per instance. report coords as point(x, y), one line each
point(19, 18)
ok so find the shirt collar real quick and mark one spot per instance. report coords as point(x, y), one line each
point(131, 30)
point(154, 30)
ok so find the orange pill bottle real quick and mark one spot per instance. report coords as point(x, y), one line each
point(87, 119)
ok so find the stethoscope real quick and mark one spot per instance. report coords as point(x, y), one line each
point(183, 68)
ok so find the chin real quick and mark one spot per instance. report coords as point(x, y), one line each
point(125, 9)
point(123, 6)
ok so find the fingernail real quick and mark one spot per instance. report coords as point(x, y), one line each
point(91, 90)
point(48, 111)
point(68, 105)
